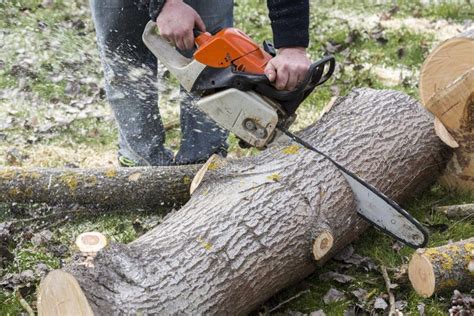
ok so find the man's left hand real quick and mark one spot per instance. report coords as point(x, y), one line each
point(288, 68)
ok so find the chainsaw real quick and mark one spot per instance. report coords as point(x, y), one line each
point(227, 72)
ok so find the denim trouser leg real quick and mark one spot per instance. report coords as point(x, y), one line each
point(131, 85)
point(201, 137)
point(130, 76)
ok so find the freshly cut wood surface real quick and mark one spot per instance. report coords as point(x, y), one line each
point(250, 227)
point(445, 268)
point(91, 242)
point(446, 63)
point(141, 187)
point(60, 295)
point(454, 107)
point(447, 90)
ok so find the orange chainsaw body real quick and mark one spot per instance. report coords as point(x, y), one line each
point(228, 47)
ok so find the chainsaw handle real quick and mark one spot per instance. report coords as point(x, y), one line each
point(184, 69)
point(314, 77)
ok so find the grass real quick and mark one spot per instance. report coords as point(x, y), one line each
point(46, 49)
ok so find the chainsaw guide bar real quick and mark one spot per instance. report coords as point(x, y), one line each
point(374, 206)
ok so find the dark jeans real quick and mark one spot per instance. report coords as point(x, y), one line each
point(132, 91)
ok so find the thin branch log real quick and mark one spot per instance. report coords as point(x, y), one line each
point(391, 296)
point(25, 304)
point(143, 187)
point(456, 211)
point(444, 268)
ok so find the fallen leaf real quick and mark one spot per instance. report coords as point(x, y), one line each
point(400, 305)
point(341, 278)
point(380, 303)
point(421, 309)
point(333, 295)
point(360, 294)
point(356, 310)
point(41, 238)
point(344, 254)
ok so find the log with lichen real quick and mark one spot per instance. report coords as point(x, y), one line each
point(143, 187)
point(442, 268)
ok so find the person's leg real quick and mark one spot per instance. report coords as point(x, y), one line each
point(201, 137)
point(130, 76)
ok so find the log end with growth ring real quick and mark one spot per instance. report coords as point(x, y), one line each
point(421, 275)
point(444, 268)
point(60, 294)
point(91, 242)
point(322, 244)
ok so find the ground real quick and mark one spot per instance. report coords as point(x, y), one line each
point(53, 113)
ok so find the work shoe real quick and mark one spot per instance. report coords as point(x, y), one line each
point(126, 162)
point(198, 158)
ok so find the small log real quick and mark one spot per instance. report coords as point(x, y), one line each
point(142, 187)
point(457, 211)
point(91, 242)
point(447, 91)
point(442, 268)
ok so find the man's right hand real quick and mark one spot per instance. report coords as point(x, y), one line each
point(176, 23)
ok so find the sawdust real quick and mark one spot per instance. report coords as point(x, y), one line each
point(55, 156)
point(441, 29)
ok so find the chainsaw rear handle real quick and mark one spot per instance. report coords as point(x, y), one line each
point(314, 77)
point(184, 69)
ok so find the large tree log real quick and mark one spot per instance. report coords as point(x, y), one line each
point(443, 268)
point(144, 187)
point(249, 228)
point(447, 91)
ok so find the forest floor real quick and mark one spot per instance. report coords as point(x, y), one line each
point(53, 113)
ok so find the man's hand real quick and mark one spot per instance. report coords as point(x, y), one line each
point(176, 23)
point(288, 68)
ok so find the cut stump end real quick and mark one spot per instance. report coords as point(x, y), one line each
point(322, 244)
point(60, 295)
point(91, 242)
point(421, 275)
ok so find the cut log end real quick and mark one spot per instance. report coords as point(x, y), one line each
point(421, 275)
point(60, 294)
point(322, 244)
point(444, 268)
point(91, 242)
point(446, 63)
point(447, 91)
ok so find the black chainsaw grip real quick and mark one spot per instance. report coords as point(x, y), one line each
point(314, 77)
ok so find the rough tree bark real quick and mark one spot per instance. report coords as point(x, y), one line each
point(248, 230)
point(144, 187)
point(443, 268)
